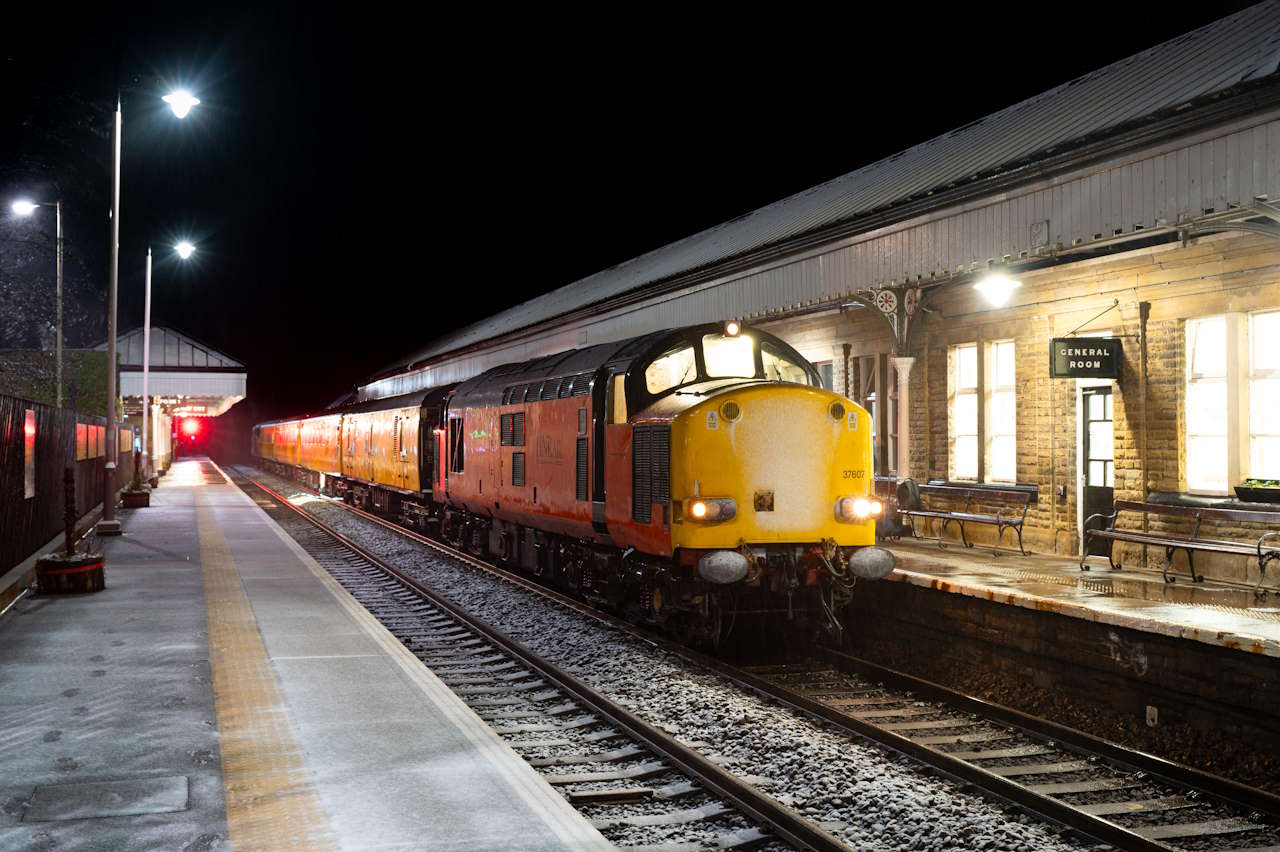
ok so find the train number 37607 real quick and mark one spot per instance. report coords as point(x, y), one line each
point(852, 474)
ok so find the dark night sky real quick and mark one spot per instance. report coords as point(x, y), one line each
point(360, 181)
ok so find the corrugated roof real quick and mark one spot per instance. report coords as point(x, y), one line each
point(1242, 48)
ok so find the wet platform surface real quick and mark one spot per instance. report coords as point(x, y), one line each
point(1212, 612)
point(225, 688)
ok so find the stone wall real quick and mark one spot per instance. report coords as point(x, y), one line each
point(1144, 297)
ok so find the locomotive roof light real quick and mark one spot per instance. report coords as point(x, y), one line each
point(732, 328)
point(996, 288)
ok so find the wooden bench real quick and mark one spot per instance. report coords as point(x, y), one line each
point(970, 495)
point(1266, 547)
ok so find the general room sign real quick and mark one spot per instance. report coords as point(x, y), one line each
point(1085, 358)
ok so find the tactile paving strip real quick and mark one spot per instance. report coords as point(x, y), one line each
point(271, 801)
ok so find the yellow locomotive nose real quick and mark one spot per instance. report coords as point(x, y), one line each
point(772, 464)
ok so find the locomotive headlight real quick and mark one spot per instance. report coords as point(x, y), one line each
point(853, 509)
point(712, 509)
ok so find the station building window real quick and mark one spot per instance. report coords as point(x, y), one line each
point(1002, 420)
point(982, 412)
point(827, 371)
point(964, 412)
point(1232, 402)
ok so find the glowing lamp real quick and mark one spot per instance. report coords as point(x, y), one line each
point(24, 207)
point(184, 249)
point(997, 289)
point(731, 328)
point(698, 509)
point(190, 427)
point(180, 101)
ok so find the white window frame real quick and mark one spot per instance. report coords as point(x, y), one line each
point(1235, 365)
point(955, 392)
point(1258, 374)
point(991, 428)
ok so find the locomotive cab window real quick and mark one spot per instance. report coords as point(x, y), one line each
point(729, 357)
point(671, 369)
point(457, 444)
point(779, 368)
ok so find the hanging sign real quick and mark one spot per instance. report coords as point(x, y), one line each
point(1085, 358)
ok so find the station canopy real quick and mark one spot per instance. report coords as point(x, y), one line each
point(187, 377)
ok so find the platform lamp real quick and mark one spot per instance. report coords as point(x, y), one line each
point(24, 207)
point(183, 250)
point(180, 102)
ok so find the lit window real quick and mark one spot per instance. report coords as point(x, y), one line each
point(964, 412)
point(670, 370)
point(729, 357)
point(1207, 405)
point(1001, 425)
point(778, 368)
point(1264, 396)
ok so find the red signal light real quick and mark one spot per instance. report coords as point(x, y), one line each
point(190, 427)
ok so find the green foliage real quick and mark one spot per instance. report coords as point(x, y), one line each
point(32, 374)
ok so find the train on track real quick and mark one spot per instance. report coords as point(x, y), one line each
point(694, 478)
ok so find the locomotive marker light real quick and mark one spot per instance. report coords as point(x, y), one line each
point(996, 288)
point(713, 509)
point(852, 509)
point(731, 328)
point(25, 207)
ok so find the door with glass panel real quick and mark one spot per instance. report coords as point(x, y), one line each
point(1099, 474)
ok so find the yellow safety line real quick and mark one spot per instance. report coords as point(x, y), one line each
point(271, 803)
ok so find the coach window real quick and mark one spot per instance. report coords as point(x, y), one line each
point(675, 368)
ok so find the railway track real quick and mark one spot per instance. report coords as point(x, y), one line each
point(1101, 790)
point(639, 785)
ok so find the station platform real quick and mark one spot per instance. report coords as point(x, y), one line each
point(1215, 613)
point(224, 690)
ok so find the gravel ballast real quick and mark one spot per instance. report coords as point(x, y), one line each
point(869, 798)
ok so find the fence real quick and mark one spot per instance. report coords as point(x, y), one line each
point(37, 443)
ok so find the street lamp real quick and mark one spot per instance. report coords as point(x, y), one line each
point(23, 207)
point(184, 250)
point(181, 102)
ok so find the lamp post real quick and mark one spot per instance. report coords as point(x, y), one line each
point(184, 250)
point(180, 102)
point(26, 208)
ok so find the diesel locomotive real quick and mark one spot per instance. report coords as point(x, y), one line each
point(693, 478)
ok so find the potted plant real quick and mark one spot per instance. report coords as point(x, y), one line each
point(1259, 491)
point(138, 494)
point(65, 571)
